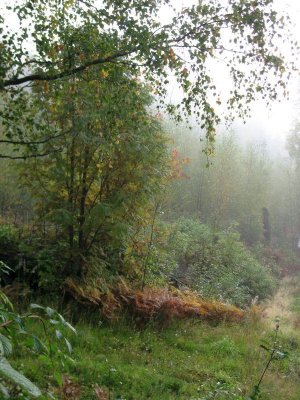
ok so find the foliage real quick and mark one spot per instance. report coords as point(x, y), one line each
point(152, 304)
point(92, 203)
point(33, 261)
point(9, 245)
point(65, 41)
point(149, 256)
point(8, 317)
point(217, 264)
point(93, 194)
point(177, 362)
point(15, 202)
point(234, 187)
point(15, 332)
point(60, 327)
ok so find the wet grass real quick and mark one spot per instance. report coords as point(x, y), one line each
point(187, 360)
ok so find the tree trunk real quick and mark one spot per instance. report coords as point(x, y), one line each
point(81, 220)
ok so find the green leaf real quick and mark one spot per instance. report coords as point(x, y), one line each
point(69, 346)
point(67, 324)
point(34, 306)
point(5, 268)
point(58, 334)
point(20, 322)
point(70, 359)
point(5, 300)
point(39, 346)
point(50, 311)
point(62, 319)
point(58, 378)
point(51, 395)
point(71, 327)
point(19, 379)
point(281, 355)
point(5, 346)
point(264, 347)
point(4, 391)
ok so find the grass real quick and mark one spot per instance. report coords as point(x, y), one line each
point(295, 307)
point(280, 305)
point(187, 360)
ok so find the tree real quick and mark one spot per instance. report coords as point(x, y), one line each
point(293, 147)
point(232, 190)
point(58, 40)
point(94, 191)
point(266, 225)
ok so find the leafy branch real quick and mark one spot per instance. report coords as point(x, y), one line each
point(14, 327)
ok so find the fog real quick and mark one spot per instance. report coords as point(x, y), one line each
point(268, 124)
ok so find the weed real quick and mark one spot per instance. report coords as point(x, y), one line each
point(275, 353)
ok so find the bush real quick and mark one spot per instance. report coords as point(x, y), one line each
point(34, 261)
point(217, 264)
point(9, 245)
point(14, 333)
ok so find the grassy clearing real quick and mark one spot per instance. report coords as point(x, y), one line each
point(280, 306)
point(286, 305)
point(295, 303)
point(188, 360)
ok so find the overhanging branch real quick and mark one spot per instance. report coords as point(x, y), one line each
point(30, 143)
point(15, 81)
point(25, 157)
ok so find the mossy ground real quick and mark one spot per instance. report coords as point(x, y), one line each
point(186, 360)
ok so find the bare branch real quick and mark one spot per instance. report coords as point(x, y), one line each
point(25, 157)
point(28, 143)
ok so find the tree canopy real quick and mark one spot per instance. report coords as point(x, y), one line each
point(96, 184)
point(63, 40)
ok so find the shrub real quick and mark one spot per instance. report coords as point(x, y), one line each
point(9, 245)
point(217, 264)
point(34, 261)
point(14, 332)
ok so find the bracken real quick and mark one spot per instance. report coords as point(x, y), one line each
point(152, 303)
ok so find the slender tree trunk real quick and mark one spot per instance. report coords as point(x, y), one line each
point(71, 195)
point(71, 203)
point(82, 207)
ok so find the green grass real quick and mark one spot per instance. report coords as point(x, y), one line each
point(295, 306)
point(188, 360)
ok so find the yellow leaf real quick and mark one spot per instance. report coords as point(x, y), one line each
point(104, 74)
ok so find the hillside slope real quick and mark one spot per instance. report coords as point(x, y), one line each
point(186, 360)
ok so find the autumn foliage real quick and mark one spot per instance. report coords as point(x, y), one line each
point(153, 304)
point(177, 163)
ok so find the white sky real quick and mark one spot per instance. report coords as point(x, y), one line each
point(269, 125)
point(274, 125)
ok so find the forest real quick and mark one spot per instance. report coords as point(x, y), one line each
point(149, 244)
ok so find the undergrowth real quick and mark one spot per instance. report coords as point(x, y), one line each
point(213, 262)
point(186, 360)
point(150, 304)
